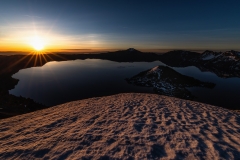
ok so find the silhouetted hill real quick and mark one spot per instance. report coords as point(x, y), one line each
point(179, 58)
point(129, 55)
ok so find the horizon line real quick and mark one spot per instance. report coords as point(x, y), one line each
point(112, 50)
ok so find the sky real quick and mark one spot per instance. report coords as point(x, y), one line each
point(147, 25)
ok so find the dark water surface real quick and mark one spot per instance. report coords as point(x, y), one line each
point(60, 82)
point(226, 93)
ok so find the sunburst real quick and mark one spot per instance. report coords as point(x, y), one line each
point(37, 43)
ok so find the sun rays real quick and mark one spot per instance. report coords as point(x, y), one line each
point(34, 59)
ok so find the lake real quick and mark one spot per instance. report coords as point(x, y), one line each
point(60, 82)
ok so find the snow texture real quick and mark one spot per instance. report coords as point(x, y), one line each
point(123, 126)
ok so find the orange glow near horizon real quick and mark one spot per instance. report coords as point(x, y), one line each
point(37, 36)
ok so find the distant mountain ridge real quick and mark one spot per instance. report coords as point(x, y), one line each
point(129, 55)
point(223, 64)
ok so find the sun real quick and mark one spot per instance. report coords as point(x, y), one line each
point(37, 43)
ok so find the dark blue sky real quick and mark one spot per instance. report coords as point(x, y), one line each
point(119, 24)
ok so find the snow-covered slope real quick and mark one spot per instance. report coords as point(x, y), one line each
point(208, 55)
point(123, 126)
point(218, 56)
point(226, 64)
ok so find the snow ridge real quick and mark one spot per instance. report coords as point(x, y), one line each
point(123, 126)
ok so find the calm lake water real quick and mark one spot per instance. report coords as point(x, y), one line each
point(60, 82)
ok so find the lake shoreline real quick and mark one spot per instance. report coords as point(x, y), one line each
point(10, 65)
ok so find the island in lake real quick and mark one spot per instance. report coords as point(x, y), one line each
point(166, 81)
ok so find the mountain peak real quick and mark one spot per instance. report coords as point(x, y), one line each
point(132, 50)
